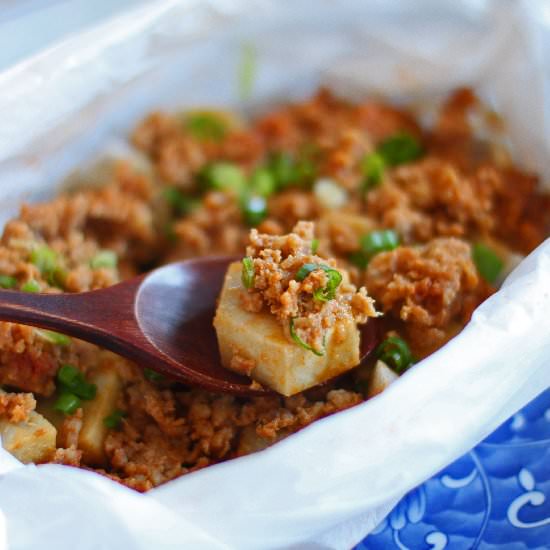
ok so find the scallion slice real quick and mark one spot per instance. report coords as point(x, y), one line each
point(314, 246)
point(400, 149)
point(487, 262)
point(104, 259)
point(72, 380)
point(373, 167)
point(382, 240)
point(247, 71)
point(300, 342)
point(6, 281)
point(53, 337)
point(114, 420)
point(30, 286)
point(182, 204)
point(44, 258)
point(247, 275)
point(205, 126)
point(67, 403)
point(395, 352)
point(223, 176)
point(262, 183)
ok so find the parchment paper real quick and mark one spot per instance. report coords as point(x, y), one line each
point(328, 485)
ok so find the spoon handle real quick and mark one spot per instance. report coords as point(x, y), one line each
point(96, 316)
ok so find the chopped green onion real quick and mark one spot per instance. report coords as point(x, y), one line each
point(247, 275)
point(114, 420)
point(53, 337)
point(314, 246)
point(67, 403)
point(373, 243)
point(306, 269)
point(223, 176)
point(205, 126)
point(304, 171)
point(281, 166)
point(300, 342)
point(262, 182)
point(153, 375)
point(181, 203)
point(30, 286)
point(373, 166)
point(57, 277)
point(254, 210)
point(104, 258)
point(487, 262)
point(395, 353)
point(7, 282)
point(329, 292)
point(44, 258)
point(334, 280)
point(247, 71)
point(400, 149)
point(68, 375)
point(73, 381)
point(379, 241)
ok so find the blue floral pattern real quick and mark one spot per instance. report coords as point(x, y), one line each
point(497, 496)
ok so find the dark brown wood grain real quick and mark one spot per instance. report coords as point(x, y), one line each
point(162, 320)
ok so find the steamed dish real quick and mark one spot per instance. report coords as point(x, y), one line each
point(425, 221)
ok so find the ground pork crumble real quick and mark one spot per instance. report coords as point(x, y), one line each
point(278, 261)
point(452, 192)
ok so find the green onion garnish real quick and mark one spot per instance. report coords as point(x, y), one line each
point(281, 166)
point(114, 420)
point(7, 282)
point(44, 258)
point(104, 258)
point(395, 353)
point(30, 286)
point(487, 262)
point(153, 375)
point(373, 243)
point(373, 166)
point(223, 176)
point(53, 337)
point(306, 269)
point(73, 381)
point(67, 403)
point(334, 280)
point(400, 149)
point(300, 342)
point(181, 203)
point(247, 71)
point(314, 246)
point(254, 210)
point(262, 182)
point(205, 126)
point(247, 275)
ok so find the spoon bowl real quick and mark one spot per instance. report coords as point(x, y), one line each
point(161, 320)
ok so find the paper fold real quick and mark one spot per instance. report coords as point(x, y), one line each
point(326, 486)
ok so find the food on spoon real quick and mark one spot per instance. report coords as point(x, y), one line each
point(287, 317)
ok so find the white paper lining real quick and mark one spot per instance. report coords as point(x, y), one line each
point(331, 483)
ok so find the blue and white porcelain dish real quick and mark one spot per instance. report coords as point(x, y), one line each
point(497, 496)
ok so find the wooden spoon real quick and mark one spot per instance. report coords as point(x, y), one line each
point(162, 320)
